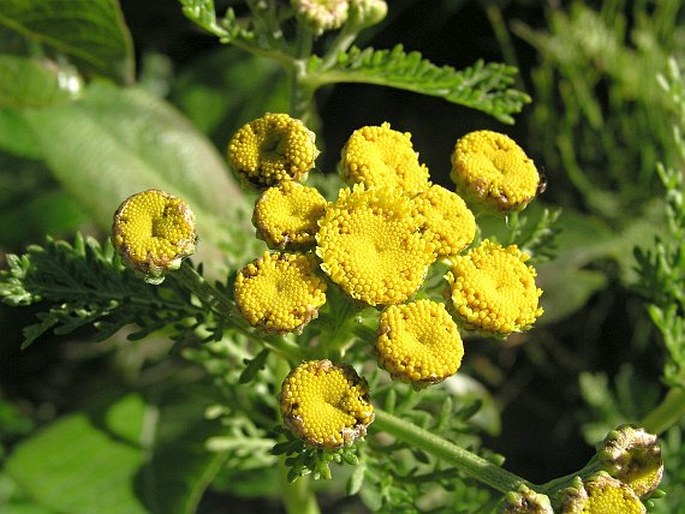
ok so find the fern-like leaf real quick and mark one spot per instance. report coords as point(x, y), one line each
point(86, 284)
point(485, 87)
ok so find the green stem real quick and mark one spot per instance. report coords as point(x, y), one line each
point(298, 497)
point(667, 413)
point(224, 308)
point(476, 467)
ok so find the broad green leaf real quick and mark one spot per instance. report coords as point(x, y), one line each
point(29, 83)
point(84, 464)
point(91, 32)
point(15, 135)
point(114, 142)
point(135, 455)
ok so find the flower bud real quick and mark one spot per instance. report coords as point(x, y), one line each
point(600, 494)
point(327, 405)
point(525, 501)
point(272, 149)
point(492, 171)
point(321, 15)
point(633, 456)
point(366, 13)
point(154, 231)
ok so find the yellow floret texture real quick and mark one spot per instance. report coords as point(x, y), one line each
point(325, 404)
point(154, 231)
point(382, 157)
point(271, 149)
point(371, 246)
point(492, 169)
point(607, 495)
point(445, 220)
point(286, 216)
point(419, 342)
point(280, 292)
point(493, 290)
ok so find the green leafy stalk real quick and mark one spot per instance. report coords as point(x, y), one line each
point(473, 465)
point(482, 86)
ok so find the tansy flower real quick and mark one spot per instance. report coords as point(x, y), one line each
point(445, 220)
point(280, 292)
point(322, 15)
point(493, 290)
point(271, 149)
point(525, 501)
point(365, 13)
point(286, 216)
point(633, 456)
point(371, 246)
point(154, 231)
point(325, 404)
point(419, 342)
point(600, 494)
point(492, 170)
point(382, 157)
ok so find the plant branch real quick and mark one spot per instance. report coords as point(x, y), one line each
point(473, 465)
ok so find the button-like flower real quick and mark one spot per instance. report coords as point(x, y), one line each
point(493, 289)
point(280, 292)
point(286, 216)
point(366, 13)
point(325, 404)
point(491, 169)
point(446, 220)
point(600, 494)
point(322, 15)
point(382, 157)
point(154, 231)
point(525, 501)
point(633, 456)
point(271, 149)
point(371, 246)
point(419, 342)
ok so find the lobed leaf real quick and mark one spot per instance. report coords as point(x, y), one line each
point(485, 87)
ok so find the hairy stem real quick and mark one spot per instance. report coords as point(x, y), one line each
point(469, 463)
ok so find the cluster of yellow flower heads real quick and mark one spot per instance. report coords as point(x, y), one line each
point(376, 242)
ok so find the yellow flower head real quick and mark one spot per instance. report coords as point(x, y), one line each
point(633, 456)
point(419, 342)
point(600, 494)
point(493, 290)
point(325, 404)
point(491, 169)
point(446, 220)
point(382, 157)
point(154, 231)
point(272, 149)
point(280, 292)
point(525, 501)
point(322, 15)
point(286, 216)
point(371, 246)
